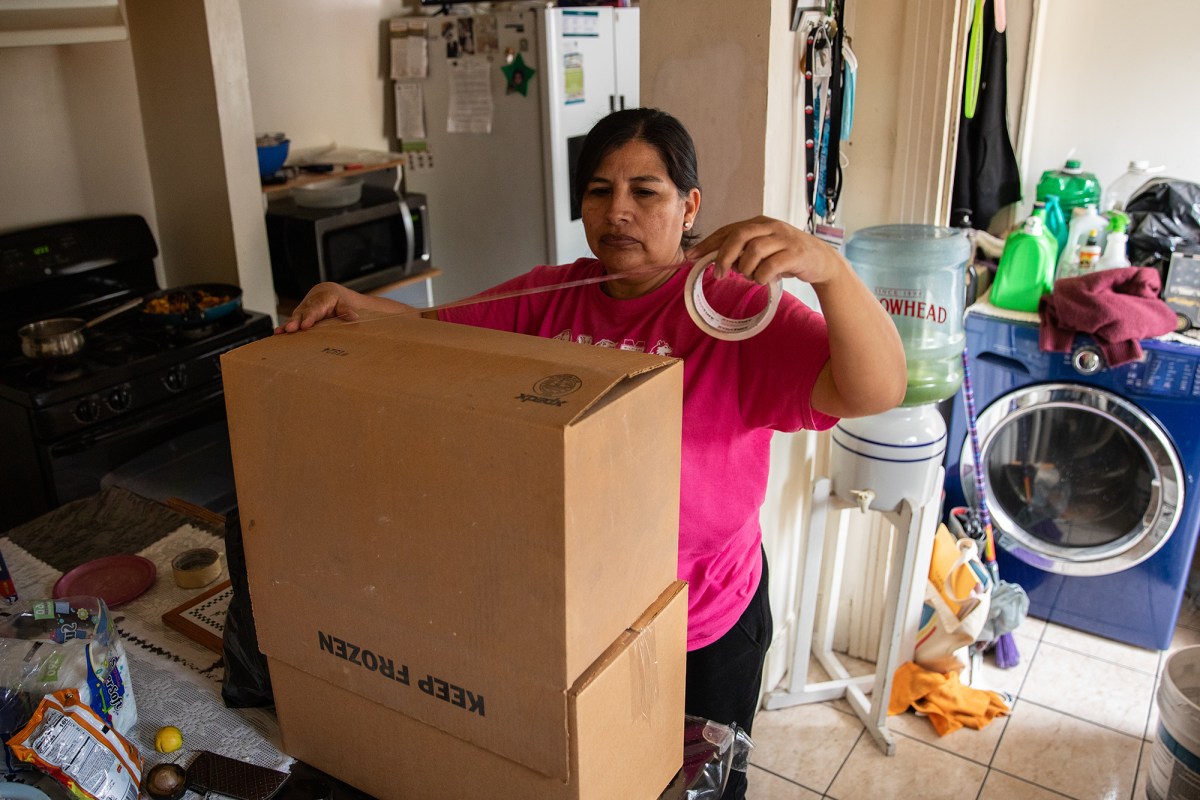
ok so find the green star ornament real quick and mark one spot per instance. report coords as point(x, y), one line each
point(518, 74)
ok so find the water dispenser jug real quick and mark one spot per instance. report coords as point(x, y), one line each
point(918, 273)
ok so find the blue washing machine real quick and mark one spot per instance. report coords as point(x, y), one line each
point(1089, 474)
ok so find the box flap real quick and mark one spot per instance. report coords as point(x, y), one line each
point(635, 691)
point(481, 370)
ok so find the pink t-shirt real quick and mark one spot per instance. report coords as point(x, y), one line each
point(734, 395)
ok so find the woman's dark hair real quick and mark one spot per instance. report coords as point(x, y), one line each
point(656, 128)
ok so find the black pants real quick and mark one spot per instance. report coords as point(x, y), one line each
point(724, 678)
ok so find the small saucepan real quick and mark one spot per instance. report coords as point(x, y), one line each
point(63, 336)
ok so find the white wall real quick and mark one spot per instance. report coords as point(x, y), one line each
point(72, 135)
point(1117, 82)
point(316, 69)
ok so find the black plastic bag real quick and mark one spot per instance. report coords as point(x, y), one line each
point(1164, 218)
point(247, 682)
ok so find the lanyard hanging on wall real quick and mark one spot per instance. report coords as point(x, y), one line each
point(833, 168)
point(827, 71)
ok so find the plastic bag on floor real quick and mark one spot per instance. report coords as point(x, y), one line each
point(247, 683)
point(710, 752)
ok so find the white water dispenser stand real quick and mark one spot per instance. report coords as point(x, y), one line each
point(915, 521)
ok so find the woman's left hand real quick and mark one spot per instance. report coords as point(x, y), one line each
point(764, 248)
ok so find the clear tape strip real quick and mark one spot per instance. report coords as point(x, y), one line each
point(699, 309)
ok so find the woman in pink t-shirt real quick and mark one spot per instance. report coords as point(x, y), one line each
point(639, 196)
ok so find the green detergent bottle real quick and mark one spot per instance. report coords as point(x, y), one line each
point(1073, 187)
point(1026, 269)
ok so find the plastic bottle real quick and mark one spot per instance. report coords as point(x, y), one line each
point(1026, 268)
point(1090, 252)
point(1115, 248)
point(1056, 222)
point(1074, 187)
point(1120, 190)
point(918, 274)
point(1039, 211)
point(1083, 221)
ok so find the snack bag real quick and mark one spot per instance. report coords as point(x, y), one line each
point(67, 643)
point(69, 741)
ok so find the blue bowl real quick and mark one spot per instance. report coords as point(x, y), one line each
point(271, 157)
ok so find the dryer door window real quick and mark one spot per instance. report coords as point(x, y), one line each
point(1077, 480)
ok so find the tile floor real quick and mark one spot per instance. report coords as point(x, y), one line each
point(1083, 727)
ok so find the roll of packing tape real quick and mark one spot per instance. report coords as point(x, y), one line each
point(716, 324)
point(196, 568)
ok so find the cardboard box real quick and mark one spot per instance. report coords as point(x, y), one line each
point(625, 729)
point(454, 523)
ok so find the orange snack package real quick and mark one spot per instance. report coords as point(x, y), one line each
point(69, 741)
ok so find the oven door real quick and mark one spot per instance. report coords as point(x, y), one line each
point(179, 449)
point(1078, 481)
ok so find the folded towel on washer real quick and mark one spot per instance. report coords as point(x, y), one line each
point(944, 699)
point(1116, 307)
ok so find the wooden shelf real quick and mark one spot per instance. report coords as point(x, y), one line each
point(287, 305)
point(302, 178)
point(432, 272)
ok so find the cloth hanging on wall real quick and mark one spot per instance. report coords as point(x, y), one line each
point(986, 177)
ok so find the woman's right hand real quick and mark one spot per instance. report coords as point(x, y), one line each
point(323, 301)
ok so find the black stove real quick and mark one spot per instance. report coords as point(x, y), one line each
point(137, 389)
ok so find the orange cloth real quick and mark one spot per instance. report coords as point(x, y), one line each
point(948, 703)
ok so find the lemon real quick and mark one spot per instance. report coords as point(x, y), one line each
point(168, 739)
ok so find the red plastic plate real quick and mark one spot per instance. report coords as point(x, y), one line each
point(115, 579)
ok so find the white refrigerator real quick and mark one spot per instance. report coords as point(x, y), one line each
point(496, 172)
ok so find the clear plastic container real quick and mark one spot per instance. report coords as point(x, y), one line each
point(1073, 187)
point(1083, 222)
point(1123, 187)
point(918, 272)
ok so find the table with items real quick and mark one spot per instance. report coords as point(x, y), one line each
point(103, 544)
point(169, 605)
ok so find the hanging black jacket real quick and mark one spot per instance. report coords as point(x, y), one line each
point(986, 178)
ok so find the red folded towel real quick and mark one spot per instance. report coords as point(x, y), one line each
point(1117, 307)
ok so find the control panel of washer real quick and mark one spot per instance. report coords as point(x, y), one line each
point(1164, 374)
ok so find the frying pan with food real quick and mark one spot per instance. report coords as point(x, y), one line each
point(196, 304)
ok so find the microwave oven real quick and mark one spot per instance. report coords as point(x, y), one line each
point(378, 240)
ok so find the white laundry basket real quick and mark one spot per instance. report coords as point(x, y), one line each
point(1175, 758)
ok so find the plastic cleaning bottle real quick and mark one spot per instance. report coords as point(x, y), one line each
point(1122, 188)
point(1026, 268)
point(1074, 187)
point(1039, 211)
point(1115, 254)
point(1056, 222)
point(1083, 221)
point(1089, 254)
